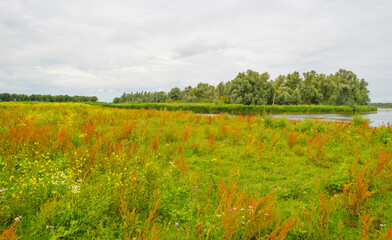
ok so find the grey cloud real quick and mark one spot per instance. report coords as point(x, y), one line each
point(198, 46)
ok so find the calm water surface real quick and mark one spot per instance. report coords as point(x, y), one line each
point(382, 116)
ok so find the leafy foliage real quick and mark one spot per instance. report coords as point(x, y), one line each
point(6, 97)
point(252, 88)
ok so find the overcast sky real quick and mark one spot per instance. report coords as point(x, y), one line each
point(104, 48)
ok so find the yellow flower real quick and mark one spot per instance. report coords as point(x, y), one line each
point(82, 135)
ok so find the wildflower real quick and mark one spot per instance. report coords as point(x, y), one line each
point(75, 189)
point(48, 227)
point(213, 160)
point(82, 135)
point(176, 223)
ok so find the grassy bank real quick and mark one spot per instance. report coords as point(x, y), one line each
point(244, 109)
point(79, 171)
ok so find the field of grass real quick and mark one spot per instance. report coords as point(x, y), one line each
point(79, 171)
point(243, 109)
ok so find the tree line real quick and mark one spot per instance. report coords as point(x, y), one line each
point(379, 104)
point(7, 97)
point(253, 88)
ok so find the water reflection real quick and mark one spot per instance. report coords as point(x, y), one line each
point(382, 116)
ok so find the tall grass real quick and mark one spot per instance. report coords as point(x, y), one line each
point(208, 108)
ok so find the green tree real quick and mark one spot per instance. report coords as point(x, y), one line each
point(295, 98)
point(308, 89)
point(175, 94)
point(283, 98)
point(249, 88)
point(203, 92)
point(293, 81)
point(343, 95)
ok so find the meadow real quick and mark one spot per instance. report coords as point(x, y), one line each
point(82, 171)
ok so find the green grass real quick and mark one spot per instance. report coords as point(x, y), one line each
point(80, 171)
point(243, 109)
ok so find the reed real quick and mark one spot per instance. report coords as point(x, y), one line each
point(10, 234)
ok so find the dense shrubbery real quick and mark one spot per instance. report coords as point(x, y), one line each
point(244, 109)
point(252, 88)
point(6, 97)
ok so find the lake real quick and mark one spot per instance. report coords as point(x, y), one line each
point(382, 116)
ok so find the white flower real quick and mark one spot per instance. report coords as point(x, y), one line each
point(48, 226)
point(75, 189)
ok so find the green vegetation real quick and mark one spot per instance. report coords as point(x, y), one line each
point(6, 97)
point(243, 109)
point(83, 171)
point(252, 88)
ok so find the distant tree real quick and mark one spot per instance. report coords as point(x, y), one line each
point(35, 97)
point(293, 80)
point(175, 94)
point(59, 98)
point(341, 88)
point(220, 91)
point(327, 88)
point(362, 97)
point(5, 97)
point(343, 95)
point(24, 97)
point(308, 90)
point(249, 88)
point(295, 98)
point(279, 82)
point(203, 92)
point(283, 98)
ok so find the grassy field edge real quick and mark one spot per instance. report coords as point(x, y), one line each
point(242, 109)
